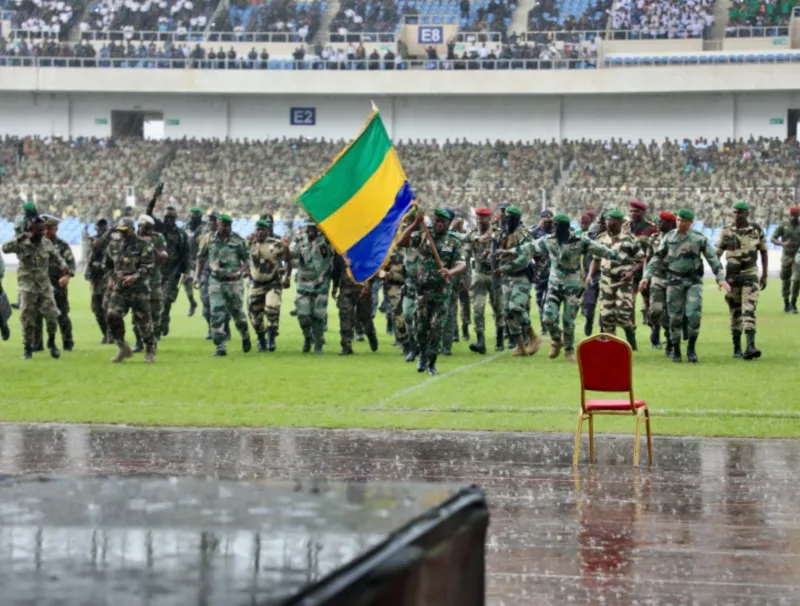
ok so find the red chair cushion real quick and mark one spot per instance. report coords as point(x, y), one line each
point(592, 405)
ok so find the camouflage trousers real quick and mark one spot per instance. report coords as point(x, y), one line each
point(684, 301)
point(658, 299)
point(616, 304)
point(138, 302)
point(790, 280)
point(98, 309)
point(394, 294)
point(430, 319)
point(188, 287)
point(264, 305)
point(354, 310)
point(460, 296)
point(227, 301)
point(541, 295)
point(409, 312)
point(590, 297)
point(170, 284)
point(64, 323)
point(516, 293)
point(569, 296)
point(156, 303)
point(480, 290)
point(312, 311)
point(742, 306)
point(32, 303)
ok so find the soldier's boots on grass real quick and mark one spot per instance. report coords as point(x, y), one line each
point(480, 345)
point(655, 336)
point(691, 354)
point(676, 352)
point(736, 337)
point(465, 332)
point(751, 352)
point(412, 352)
point(347, 350)
point(272, 332)
point(498, 340)
point(534, 342)
point(373, 341)
point(51, 345)
point(422, 363)
point(432, 365)
point(630, 337)
point(261, 342)
point(123, 352)
point(150, 354)
point(555, 349)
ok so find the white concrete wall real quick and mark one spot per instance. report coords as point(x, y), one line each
point(476, 118)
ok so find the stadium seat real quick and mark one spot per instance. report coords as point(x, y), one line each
point(605, 364)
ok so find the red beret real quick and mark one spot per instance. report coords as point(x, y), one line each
point(591, 213)
point(586, 217)
point(794, 210)
point(667, 216)
point(484, 212)
point(638, 204)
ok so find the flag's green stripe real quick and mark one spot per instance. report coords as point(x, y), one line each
point(349, 174)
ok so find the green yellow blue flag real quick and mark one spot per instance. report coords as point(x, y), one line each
point(361, 199)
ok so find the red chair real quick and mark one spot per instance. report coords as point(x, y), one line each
point(605, 364)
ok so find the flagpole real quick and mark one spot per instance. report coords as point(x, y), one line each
point(436, 256)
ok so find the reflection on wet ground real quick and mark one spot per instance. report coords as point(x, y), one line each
point(714, 522)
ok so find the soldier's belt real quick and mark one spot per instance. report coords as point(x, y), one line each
point(225, 278)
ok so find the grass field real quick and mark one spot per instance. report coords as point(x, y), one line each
point(186, 386)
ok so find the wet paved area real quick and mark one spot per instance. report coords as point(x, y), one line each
point(713, 522)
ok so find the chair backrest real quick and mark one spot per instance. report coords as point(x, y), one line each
point(605, 363)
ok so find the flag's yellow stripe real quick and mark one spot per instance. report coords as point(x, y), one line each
point(368, 206)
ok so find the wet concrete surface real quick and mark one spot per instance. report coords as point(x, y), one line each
point(713, 522)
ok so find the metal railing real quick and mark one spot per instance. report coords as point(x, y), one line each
point(142, 36)
point(27, 34)
point(703, 58)
point(673, 34)
point(545, 36)
point(478, 37)
point(355, 37)
point(757, 31)
point(275, 37)
point(432, 19)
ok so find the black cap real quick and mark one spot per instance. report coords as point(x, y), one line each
point(546, 214)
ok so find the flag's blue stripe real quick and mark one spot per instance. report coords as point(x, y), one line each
point(368, 255)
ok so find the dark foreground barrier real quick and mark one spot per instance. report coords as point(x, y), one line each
point(190, 541)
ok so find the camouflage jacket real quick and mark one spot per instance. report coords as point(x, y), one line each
point(130, 257)
point(741, 248)
point(543, 267)
point(193, 242)
point(641, 229)
point(33, 274)
point(95, 263)
point(788, 233)
point(177, 250)
point(651, 245)
point(478, 247)
point(514, 254)
point(680, 257)
point(566, 259)
point(66, 253)
point(411, 261)
point(266, 260)
point(395, 270)
point(224, 257)
point(159, 246)
point(315, 262)
point(629, 250)
point(449, 247)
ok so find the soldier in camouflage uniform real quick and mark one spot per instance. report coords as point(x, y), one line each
point(21, 226)
point(59, 294)
point(354, 302)
point(228, 261)
point(270, 273)
point(194, 229)
point(545, 228)
point(411, 262)
point(97, 278)
point(315, 259)
point(5, 307)
point(146, 225)
point(639, 227)
point(201, 273)
point(460, 296)
point(592, 292)
point(394, 277)
point(680, 256)
point(742, 244)
point(565, 286)
point(514, 269)
point(658, 287)
point(434, 283)
point(130, 261)
point(478, 247)
point(787, 236)
point(616, 278)
point(35, 253)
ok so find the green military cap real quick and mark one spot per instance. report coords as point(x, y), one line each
point(225, 218)
point(741, 205)
point(561, 218)
point(170, 208)
point(443, 213)
point(514, 210)
point(614, 213)
point(685, 213)
point(196, 209)
point(29, 207)
point(263, 223)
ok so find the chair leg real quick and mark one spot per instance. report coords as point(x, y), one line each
point(637, 435)
point(649, 436)
point(591, 439)
point(576, 454)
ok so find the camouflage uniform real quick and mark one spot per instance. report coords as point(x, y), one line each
point(60, 295)
point(177, 264)
point(680, 258)
point(542, 272)
point(616, 293)
point(592, 292)
point(225, 294)
point(156, 292)
point(481, 285)
point(460, 295)
point(5, 306)
point(193, 235)
point(742, 248)
point(266, 289)
point(641, 230)
point(411, 262)
point(34, 287)
point(315, 259)
point(432, 300)
point(131, 257)
point(565, 285)
point(514, 260)
point(98, 279)
point(203, 272)
point(657, 288)
point(394, 277)
point(354, 309)
point(789, 287)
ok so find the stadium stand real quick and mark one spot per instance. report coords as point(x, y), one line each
point(756, 18)
point(45, 18)
point(663, 19)
point(149, 15)
point(360, 20)
point(570, 15)
point(297, 20)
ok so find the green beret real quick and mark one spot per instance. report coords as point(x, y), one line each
point(614, 213)
point(514, 210)
point(561, 218)
point(685, 213)
point(225, 218)
point(263, 223)
point(170, 208)
point(196, 209)
point(443, 213)
point(29, 207)
point(741, 205)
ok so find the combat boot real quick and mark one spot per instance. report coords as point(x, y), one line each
point(498, 340)
point(247, 344)
point(787, 307)
point(272, 332)
point(220, 352)
point(432, 366)
point(412, 352)
point(306, 343)
point(519, 350)
point(422, 363)
point(5, 332)
point(373, 341)
point(150, 354)
point(69, 344)
point(555, 349)
point(676, 352)
point(138, 346)
point(359, 335)
point(227, 330)
point(630, 337)
point(446, 350)
point(480, 345)
point(686, 331)
point(588, 327)
point(389, 324)
point(512, 341)
point(794, 305)
point(192, 307)
point(405, 350)
point(751, 353)
point(691, 354)
point(569, 355)
point(261, 342)
point(319, 340)
point(456, 338)
point(27, 353)
point(737, 343)
point(123, 352)
point(465, 332)
point(655, 337)
point(38, 347)
point(347, 350)
point(534, 342)
point(51, 345)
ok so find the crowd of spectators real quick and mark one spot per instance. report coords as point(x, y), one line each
point(298, 20)
point(362, 16)
point(180, 16)
point(45, 18)
point(88, 178)
point(663, 19)
point(546, 16)
point(768, 14)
